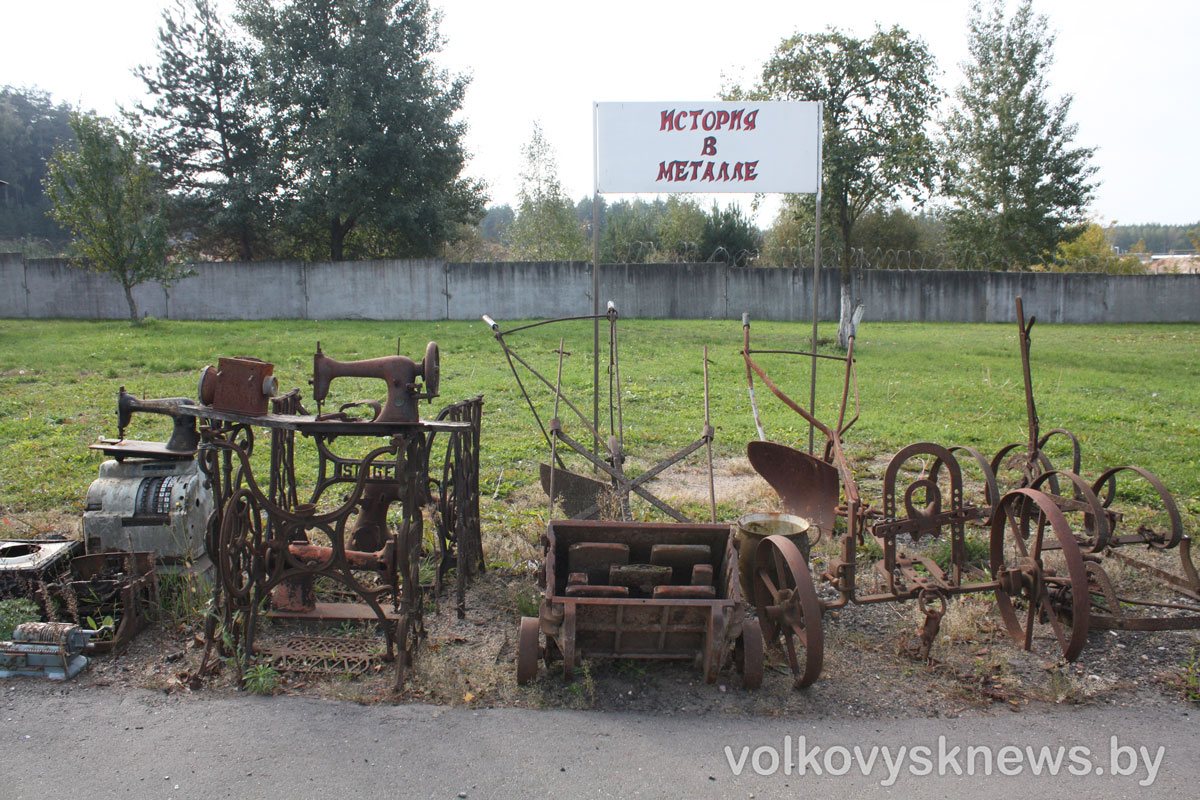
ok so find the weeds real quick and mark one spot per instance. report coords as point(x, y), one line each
point(183, 598)
point(585, 688)
point(14, 612)
point(977, 552)
point(1189, 678)
point(261, 678)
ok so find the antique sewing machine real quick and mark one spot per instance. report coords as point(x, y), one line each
point(150, 496)
point(398, 372)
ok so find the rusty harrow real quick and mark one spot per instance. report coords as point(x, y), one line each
point(1096, 520)
point(823, 490)
point(1050, 534)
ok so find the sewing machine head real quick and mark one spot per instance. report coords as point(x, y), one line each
point(399, 372)
point(184, 437)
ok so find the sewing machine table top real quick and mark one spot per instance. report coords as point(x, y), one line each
point(309, 424)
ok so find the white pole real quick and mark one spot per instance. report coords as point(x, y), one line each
point(596, 278)
point(812, 394)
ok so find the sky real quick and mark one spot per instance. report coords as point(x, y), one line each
point(1132, 69)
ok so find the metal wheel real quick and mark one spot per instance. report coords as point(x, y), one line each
point(787, 604)
point(987, 489)
point(527, 650)
point(1012, 468)
point(748, 654)
point(1102, 594)
point(1094, 524)
point(1164, 529)
point(1032, 597)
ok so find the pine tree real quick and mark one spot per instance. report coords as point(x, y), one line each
point(361, 123)
point(205, 130)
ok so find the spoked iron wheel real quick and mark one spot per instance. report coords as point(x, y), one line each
point(1035, 600)
point(787, 604)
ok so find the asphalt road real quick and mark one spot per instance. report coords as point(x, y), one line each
point(61, 741)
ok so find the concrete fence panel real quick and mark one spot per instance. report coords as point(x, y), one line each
point(431, 289)
point(664, 291)
point(519, 290)
point(254, 290)
point(57, 289)
point(13, 297)
point(413, 289)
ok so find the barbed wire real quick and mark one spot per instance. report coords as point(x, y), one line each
point(859, 258)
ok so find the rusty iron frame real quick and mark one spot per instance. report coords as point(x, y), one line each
point(784, 594)
point(610, 464)
point(455, 498)
point(707, 631)
point(1098, 534)
point(122, 585)
point(259, 540)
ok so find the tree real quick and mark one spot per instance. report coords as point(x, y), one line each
point(107, 194)
point(728, 235)
point(546, 227)
point(206, 130)
point(1019, 185)
point(879, 97)
point(31, 126)
point(630, 232)
point(361, 123)
point(495, 222)
point(1092, 251)
point(682, 228)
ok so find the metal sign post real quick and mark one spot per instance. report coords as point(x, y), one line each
point(812, 394)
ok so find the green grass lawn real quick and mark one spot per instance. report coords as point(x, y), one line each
point(1130, 392)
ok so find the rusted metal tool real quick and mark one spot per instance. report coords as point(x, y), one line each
point(119, 586)
point(270, 543)
point(615, 589)
point(241, 385)
point(584, 497)
point(398, 372)
point(1090, 509)
point(923, 496)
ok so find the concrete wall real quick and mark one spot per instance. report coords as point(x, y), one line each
point(432, 289)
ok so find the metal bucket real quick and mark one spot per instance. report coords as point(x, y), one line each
point(752, 528)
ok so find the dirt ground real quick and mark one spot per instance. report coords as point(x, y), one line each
point(870, 668)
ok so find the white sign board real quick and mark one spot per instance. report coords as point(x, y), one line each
point(708, 147)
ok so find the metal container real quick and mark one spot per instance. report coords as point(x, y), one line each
point(641, 590)
point(241, 385)
point(753, 528)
